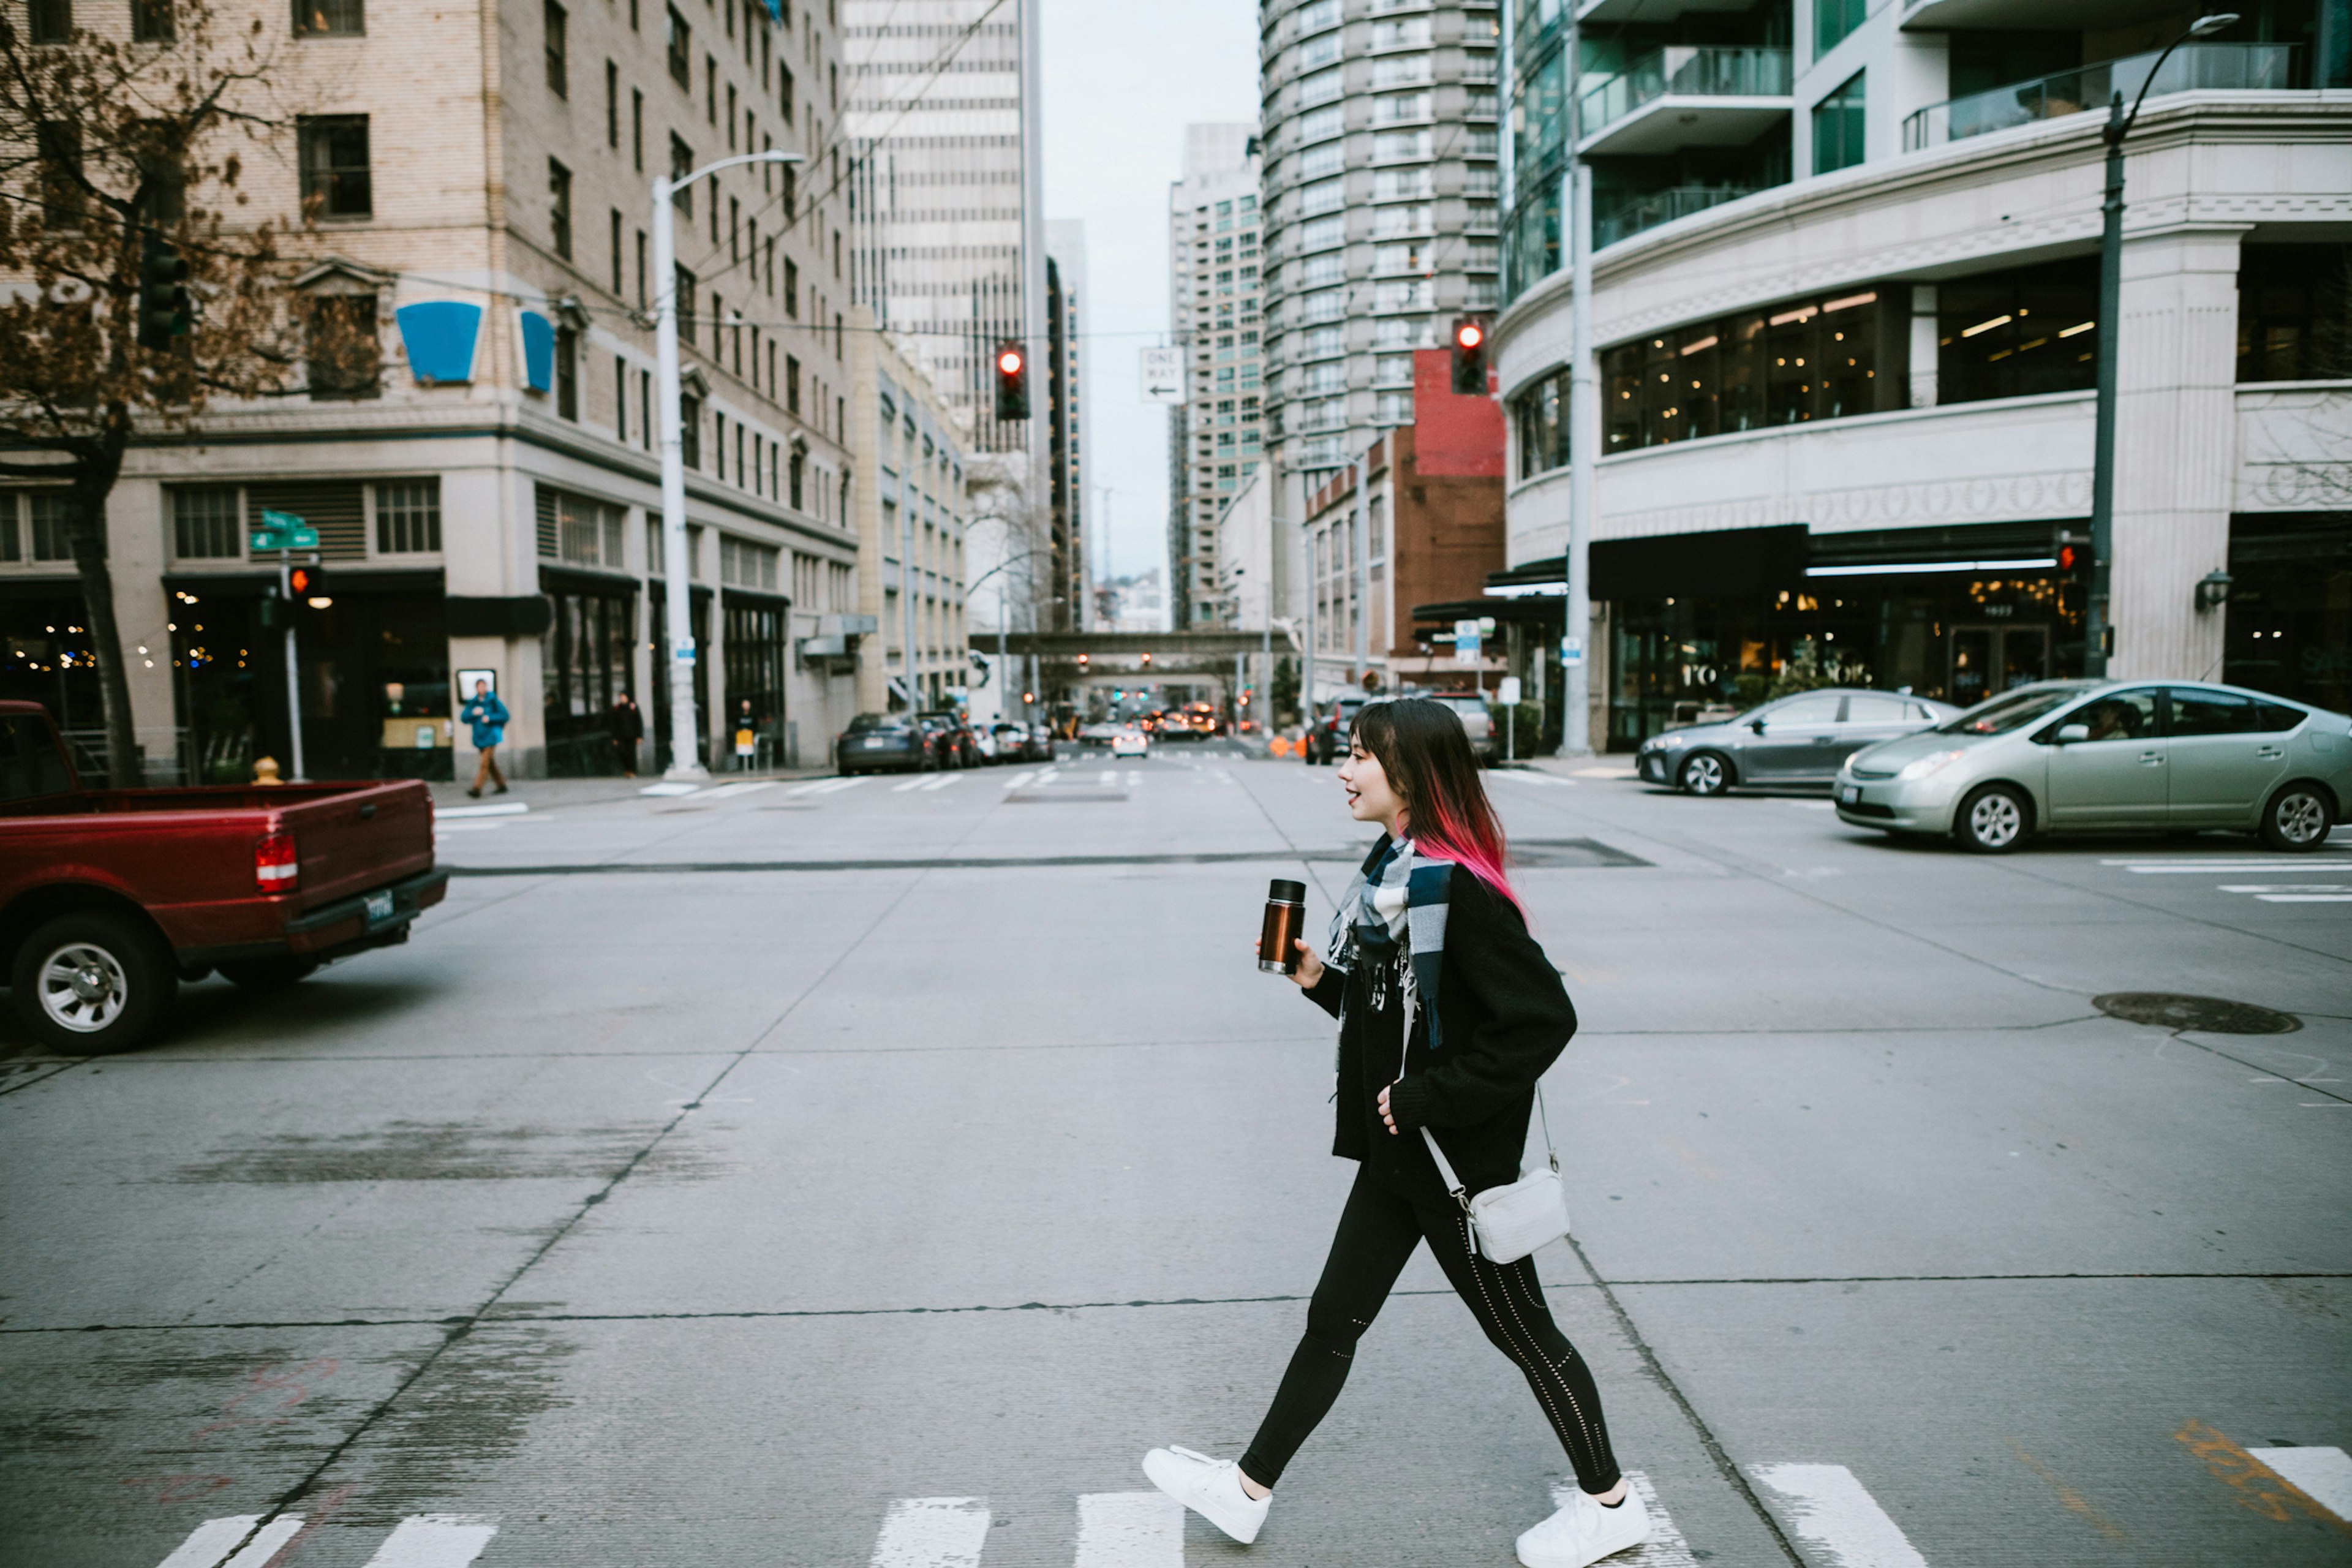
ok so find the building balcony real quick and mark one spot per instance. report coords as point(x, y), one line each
point(1636, 214)
point(1687, 97)
point(1937, 15)
point(2232, 68)
point(1649, 10)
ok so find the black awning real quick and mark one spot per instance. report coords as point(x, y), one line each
point(1726, 562)
point(1891, 550)
point(1527, 609)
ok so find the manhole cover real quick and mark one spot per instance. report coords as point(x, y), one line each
point(2204, 1015)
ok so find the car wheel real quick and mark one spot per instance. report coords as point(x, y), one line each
point(2298, 817)
point(93, 981)
point(1703, 773)
point(270, 974)
point(1992, 820)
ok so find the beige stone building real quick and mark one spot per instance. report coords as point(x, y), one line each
point(481, 174)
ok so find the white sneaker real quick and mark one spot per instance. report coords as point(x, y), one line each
point(1210, 1488)
point(1582, 1532)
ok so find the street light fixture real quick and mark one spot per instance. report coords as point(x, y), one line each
point(2098, 630)
point(685, 748)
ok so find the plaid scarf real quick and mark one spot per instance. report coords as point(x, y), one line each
point(1396, 890)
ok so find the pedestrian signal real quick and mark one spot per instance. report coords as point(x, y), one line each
point(308, 584)
point(1470, 357)
point(1012, 382)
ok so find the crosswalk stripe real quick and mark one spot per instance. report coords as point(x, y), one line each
point(1133, 778)
point(942, 781)
point(2323, 1474)
point(917, 782)
point(932, 1532)
point(2302, 897)
point(1017, 780)
point(1523, 776)
point(1130, 1529)
point(811, 785)
point(434, 1541)
point(671, 789)
point(1110, 776)
point(1666, 1548)
point(729, 791)
point(1828, 1509)
point(835, 786)
point(210, 1541)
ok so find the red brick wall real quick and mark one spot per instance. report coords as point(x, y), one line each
point(1457, 435)
point(1446, 525)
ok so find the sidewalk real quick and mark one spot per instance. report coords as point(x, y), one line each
point(1597, 765)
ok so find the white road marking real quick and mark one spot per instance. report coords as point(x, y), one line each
point(1018, 780)
point(1665, 1549)
point(2172, 866)
point(942, 781)
point(748, 786)
point(2285, 887)
point(1522, 775)
point(1049, 775)
point(835, 786)
point(804, 789)
point(1133, 778)
point(434, 1541)
point(917, 782)
point(441, 828)
point(1130, 1529)
point(932, 1532)
point(2302, 897)
point(2323, 1474)
point(207, 1542)
point(504, 808)
point(1109, 776)
point(1828, 1509)
point(671, 789)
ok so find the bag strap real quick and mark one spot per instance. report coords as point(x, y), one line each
point(1453, 1183)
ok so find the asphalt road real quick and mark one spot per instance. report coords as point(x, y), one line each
point(835, 1174)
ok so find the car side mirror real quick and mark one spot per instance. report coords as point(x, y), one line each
point(1757, 725)
point(2068, 735)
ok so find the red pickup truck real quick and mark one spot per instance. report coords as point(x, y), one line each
point(110, 898)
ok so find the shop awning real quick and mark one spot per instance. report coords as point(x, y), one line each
point(1722, 563)
point(1526, 610)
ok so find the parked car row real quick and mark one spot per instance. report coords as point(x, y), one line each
point(877, 743)
point(1326, 740)
point(2056, 756)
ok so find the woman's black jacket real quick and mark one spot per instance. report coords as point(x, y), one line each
point(1505, 1019)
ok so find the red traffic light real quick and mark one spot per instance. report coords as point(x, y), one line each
point(1469, 334)
point(2065, 558)
point(1009, 361)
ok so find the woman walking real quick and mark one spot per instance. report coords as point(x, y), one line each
point(1448, 1014)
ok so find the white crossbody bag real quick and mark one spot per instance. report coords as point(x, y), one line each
point(1510, 1222)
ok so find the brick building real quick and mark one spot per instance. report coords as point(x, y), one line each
point(489, 500)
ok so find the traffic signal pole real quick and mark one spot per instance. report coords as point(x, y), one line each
point(293, 667)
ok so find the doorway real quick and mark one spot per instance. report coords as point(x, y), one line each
point(1989, 661)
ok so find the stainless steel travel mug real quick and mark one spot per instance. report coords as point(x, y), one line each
point(1286, 922)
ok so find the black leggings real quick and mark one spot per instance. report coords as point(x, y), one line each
point(1378, 1231)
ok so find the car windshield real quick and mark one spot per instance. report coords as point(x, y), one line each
point(876, 721)
point(2002, 715)
point(1463, 704)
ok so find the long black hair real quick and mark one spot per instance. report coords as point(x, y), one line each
point(1426, 754)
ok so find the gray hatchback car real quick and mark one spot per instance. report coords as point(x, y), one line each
point(1797, 740)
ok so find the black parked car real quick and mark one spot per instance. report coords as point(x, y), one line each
point(959, 747)
point(878, 741)
point(1802, 739)
point(1326, 740)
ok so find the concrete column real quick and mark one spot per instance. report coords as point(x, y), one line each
point(1923, 345)
point(137, 521)
point(2175, 447)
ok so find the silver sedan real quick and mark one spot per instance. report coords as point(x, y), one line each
point(1795, 740)
point(2062, 756)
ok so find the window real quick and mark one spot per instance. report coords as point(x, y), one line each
point(637, 131)
point(791, 288)
point(784, 98)
point(1875, 708)
point(680, 46)
point(334, 157)
point(150, 22)
point(2295, 313)
point(344, 354)
point(681, 163)
point(620, 399)
point(791, 385)
point(1838, 126)
point(1541, 416)
point(616, 251)
point(797, 472)
point(330, 18)
point(567, 372)
point(710, 88)
point(611, 104)
point(2021, 331)
point(1833, 19)
point(59, 145)
point(1784, 364)
point(408, 518)
point(52, 524)
point(204, 524)
point(684, 304)
point(559, 68)
point(689, 431)
point(730, 117)
point(559, 197)
point(641, 302)
point(52, 21)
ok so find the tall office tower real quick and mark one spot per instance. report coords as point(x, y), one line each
point(1065, 409)
point(1379, 144)
point(1213, 301)
point(935, 115)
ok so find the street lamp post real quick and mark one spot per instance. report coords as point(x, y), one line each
point(2097, 628)
point(684, 750)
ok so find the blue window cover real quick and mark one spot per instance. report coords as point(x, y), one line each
point(538, 352)
point(440, 337)
point(776, 11)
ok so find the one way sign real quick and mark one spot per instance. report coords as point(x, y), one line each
point(1163, 375)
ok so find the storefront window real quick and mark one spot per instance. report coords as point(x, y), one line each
point(585, 657)
point(756, 634)
point(1810, 359)
point(1539, 415)
point(2023, 330)
point(2290, 609)
point(2295, 313)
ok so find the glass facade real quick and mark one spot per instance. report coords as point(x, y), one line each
point(1539, 424)
point(585, 656)
point(2295, 313)
point(2024, 330)
point(1781, 364)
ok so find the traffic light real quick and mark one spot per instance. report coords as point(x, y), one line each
point(2074, 555)
point(307, 585)
point(1012, 382)
point(1470, 357)
point(1146, 661)
point(163, 309)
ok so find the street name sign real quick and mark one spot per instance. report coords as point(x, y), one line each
point(284, 531)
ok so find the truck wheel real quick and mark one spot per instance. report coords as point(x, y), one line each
point(270, 974)
point(2297, 818)
point(93, 981)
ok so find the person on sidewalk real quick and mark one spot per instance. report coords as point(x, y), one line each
point(628, 727)
point(488, 715)
point(1448, 1014)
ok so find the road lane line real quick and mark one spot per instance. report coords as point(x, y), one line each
point(1133, 778)
point(2323, 1474)
point(917, 782)
point(1109, 777)
point(207, 1543)
point(1828, 1509)
point(932, 1532)
point(1130, 1529)
point(504, 808)
point(2285, 887)
point(728, 791)
point(835, 786)
point(1665, 1549)
point(671, 789)
point(942, 781)
point(2302, 897)
point(809, 787)
point(434, 1541)
point(1019, 779)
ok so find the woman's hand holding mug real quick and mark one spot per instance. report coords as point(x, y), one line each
point(1310, 966)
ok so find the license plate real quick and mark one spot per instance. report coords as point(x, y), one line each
point(873, 744)
point(379, 908)
point(1849, 794)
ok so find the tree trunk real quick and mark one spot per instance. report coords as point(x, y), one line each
point(93, 482)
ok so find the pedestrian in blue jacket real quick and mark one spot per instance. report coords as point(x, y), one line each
point(488, 715)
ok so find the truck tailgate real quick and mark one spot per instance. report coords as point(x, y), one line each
point(347, 844)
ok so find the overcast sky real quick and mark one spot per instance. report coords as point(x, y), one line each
point(1122, 80)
